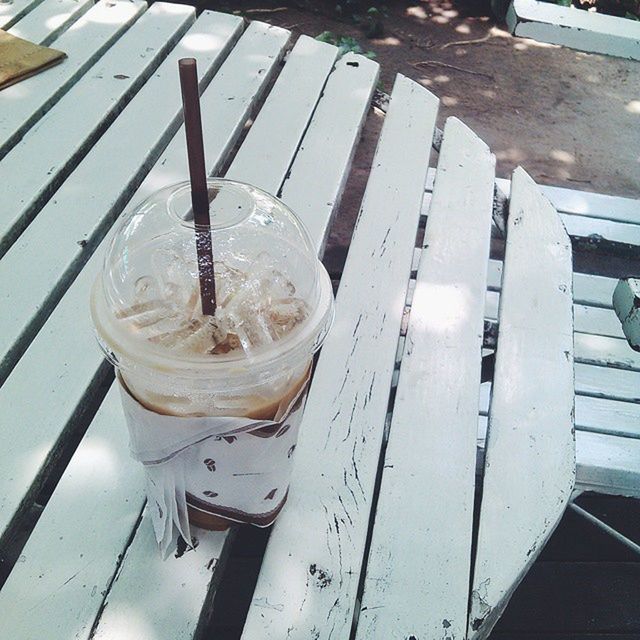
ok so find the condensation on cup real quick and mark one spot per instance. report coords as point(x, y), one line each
point(231, 386)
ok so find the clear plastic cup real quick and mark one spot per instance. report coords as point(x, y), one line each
point(275, 304)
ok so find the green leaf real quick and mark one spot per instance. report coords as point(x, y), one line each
point(563, 3)
point(631, 16)
point(327, 36)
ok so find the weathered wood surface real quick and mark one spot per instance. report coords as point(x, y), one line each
point(309, 578)
point(84, 42)
point(582, 30)
point(282, 121)
point(605, 464)
point(588, 289)
point(588, 319)
point(601, 415)
point(608, 416)
point(607, 382)
point(417, 580)
point(95, 100)
point(530, 449)
point(334, 129)
point(53, 249)
point(49, 19)
point(66, 342)
point(68, 564)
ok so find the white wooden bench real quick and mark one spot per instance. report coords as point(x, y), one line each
point(379, 520)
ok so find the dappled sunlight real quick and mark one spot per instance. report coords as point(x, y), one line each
point(417, 12)
point(129, 622)
point(463, 28)
point(162, 176)
point(201, 42)
point(441, 77)
point(511, 155)
point(562, 156)
point(449, 101)
point(106, 13)
point(440, 307)
point(633, 106)
point(97, 462)
point(388, 41)
point(522, 44)
point(56, 21)
point(497, 32)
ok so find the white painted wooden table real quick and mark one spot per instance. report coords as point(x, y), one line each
point(377, 534)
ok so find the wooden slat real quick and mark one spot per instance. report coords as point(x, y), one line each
point(309, 578)
point(49, 19)
point(607, 464)
point(22, 104)
point(606, 351)
point(333, 133)
point(418, 575)
point(14, 10)
point(584, 30)
point(95, 101)
point(135, 609)
point(599, 231)
point(68, 563)
point(602, 415)
point(596, 320)
point(590, 205)
point(530, 456)
point(48, 255)
point(67, 340)
point(594, 217)
point(226, 106)
point(607, 382)
point(590, 320)
point(588, 289)
point(608, 416)
point(573, 205)
point(279, 126)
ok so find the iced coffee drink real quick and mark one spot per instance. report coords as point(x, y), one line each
point(213, 400)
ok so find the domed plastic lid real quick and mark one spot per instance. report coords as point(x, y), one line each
point(273, 294)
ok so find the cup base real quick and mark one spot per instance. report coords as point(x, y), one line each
point(207, 520)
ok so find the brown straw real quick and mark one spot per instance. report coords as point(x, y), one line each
point(198, 178)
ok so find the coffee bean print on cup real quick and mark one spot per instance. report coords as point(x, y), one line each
point(210, 464)
point(271, 494)
point(210, 494)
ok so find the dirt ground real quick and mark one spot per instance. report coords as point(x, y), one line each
point(569, 118)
